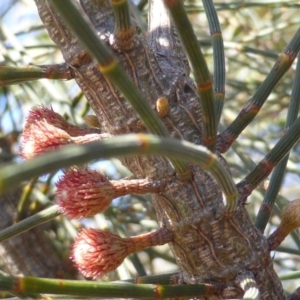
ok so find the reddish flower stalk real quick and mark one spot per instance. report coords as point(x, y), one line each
point(46, 130)
point(290, 220)
point(84, 193)
point(97, 252)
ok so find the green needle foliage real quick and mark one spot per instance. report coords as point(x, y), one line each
point(108, 290)
point(244, 64)
point(278, 174)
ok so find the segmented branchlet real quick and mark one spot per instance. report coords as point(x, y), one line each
point(161, 115)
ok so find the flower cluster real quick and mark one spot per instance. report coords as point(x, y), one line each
point(82, 192)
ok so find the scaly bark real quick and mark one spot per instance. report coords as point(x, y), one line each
point(208, 247)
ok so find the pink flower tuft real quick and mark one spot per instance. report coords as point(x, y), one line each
point(43, 113)
point(45, 130)
point(40, 137)
point(97, 252)
point(83, 193)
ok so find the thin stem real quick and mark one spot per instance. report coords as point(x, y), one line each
point(264, 168)
point(124, 31)
point(25, 285)
point(289, 276)
point(253, 105)
point(288, 250)
point(25, 199)
point(112, 70)
point(170, 278)
point(134, 258)
point(5, 295)
point(200, 70)
point(218, 56)
point(30, 222)
point(16, 75)
point(241, 48)
point(240, 5)
point(12, 174)
point(138, 17)
point(266, 208)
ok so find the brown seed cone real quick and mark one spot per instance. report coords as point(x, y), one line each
point(97, 252)
point(84, 193)
point(290, 220)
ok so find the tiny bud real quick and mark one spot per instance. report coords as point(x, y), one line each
point(97, 252)
point(84, 193)
point(290, 220)
point(92, 121)
point(162, 106)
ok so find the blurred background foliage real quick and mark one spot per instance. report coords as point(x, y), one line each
point(254, 33)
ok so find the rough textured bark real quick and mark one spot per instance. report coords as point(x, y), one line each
point(208, 247)
point(30, 253)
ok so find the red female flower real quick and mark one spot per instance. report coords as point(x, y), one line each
point(46, 130)
point(97, 252)
point(84, 193)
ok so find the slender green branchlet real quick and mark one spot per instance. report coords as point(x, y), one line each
point(200, 70)
point(124, 31)
point(111, 69)
point(122, 146)
point(16, 75)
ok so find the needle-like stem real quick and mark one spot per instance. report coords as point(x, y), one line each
point(111, 69)
point(12, 174)
point(266, 208)
point(200, 70)
point(254, 104)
